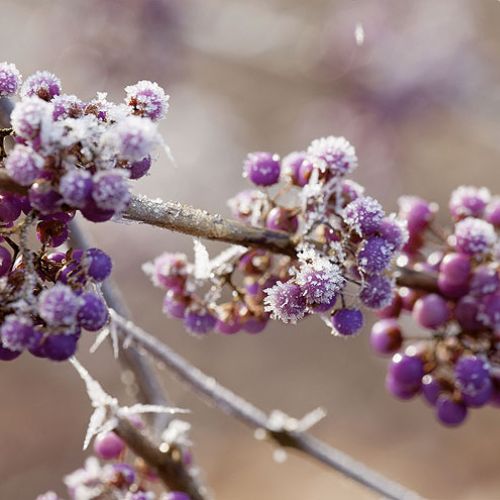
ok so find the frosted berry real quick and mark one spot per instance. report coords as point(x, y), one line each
point(93, 313)
point(97, 264)
point(76, 188)
point(10, 79)
point(58, 305)
point(43, 84)
point(347, 321)
point(147, 99)
point(263, 169)
point(286, 302)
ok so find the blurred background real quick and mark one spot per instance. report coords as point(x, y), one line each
point(412, 84)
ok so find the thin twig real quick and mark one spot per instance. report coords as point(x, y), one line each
point(233, 405)
point(168, 464)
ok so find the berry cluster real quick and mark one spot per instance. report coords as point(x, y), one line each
point(453, 361)
point(123, 475)
point(345, 248)
point(47, 298)
point(75, 155)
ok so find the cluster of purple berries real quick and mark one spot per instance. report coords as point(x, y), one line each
point(122, 476)
point(346, 245)
point(454, 359)
point(44, 308)
point(75, 155)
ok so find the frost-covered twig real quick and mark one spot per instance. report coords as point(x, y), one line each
point(285, 431)
point(109, 415)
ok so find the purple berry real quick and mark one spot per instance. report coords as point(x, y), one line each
point(377, 292)
point(97, 264)
point(10, 208)
point(67, 106)
point(147, 99)
point(76, 188)
point(394, 232)
point(291, 167)
point(177, 495)
point(108, 446)
point(431, 389)
point(332, 154)
point(466, 313)
point(286, 302)
point(18, 333)
point(110, 191)
point(44, 197)
point(43, 84)
point(263, 169)
point(24, 165)
point(60, 347)
point(347, 321)
point(58, 306)
point(8, 354)
point(124, 474)
point(474, 236)
point(139, 168)
point(406, 370)
point(364, 215)
point(199, 321)
point(417, 212)
point(282, 219)
point(431, 311)
point(28, 115)
point(492, 214)
point(95, 214)
point(10, 79)
point(174, 305)
point(5, 261)
point(399, 390)
point(320, 282)
point(375, 255)
point(468, 201)
point(472, 374)
point(52, 232)
point(485, 280)
point(93, 312)
point(450, 412)
point(385, 336)
point(489, 310)
point(254, 325)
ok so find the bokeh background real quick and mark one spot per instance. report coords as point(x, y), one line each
point(413, 84)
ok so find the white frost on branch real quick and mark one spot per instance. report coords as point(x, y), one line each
point(107, 411)
point(201, 260)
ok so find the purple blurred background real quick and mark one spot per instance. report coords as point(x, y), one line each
point(412, 84)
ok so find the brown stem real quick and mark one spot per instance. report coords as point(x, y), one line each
point(168, 464)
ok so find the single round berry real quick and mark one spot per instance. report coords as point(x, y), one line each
point(10, 79)
point(97, 264)
point(291, 167)
point(58, 306)
point(333, 154)
point(18, 333)
point(375, 255)
point(320, 282)
point(417, 212)
point(386, 336)
point(76, 188)
point(147, 99)
point(175, 305)
point(8, 354)
point(377, 292)
point(140, 168)
point(108, 446)
point(492, 214)
point(44, 197)
point(431, 311)
point(60, 347)
point(450, 412)
point(489, 310)
point(199, 321)
point(347, 321)
point(93, 312)
point(43, 84)
point(472, 374)
point(24, 165)
point(406, 370)
point(110, 191)
point(468, 201)
point(285, 301)
point(485, 280)
point(474, 236)
point(263, 169)
point(466, 313)
point(10, 208)
point(364, 215)
point(28, 115)
point(67, 106)
point(394, 232)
